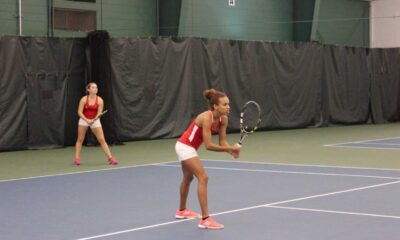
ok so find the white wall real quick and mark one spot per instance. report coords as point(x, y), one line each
point(385, 23)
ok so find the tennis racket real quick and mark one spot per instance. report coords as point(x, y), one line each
point(250, 119)
point(100, 115)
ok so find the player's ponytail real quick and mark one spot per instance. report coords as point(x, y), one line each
point(213, 97)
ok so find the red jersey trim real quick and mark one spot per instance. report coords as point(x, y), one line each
point(193, 136)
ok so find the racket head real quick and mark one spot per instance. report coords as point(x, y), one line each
point(250, 117)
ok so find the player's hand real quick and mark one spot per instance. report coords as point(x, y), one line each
point(90, 121)
point(235, 150)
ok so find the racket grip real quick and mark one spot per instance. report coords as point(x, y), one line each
point(238, 144)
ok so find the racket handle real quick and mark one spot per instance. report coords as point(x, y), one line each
point(238, 144)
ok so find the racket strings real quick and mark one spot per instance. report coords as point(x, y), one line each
point(250, 118)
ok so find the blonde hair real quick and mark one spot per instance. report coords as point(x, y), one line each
point(213, 97)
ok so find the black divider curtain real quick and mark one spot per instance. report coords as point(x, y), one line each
point(13, 105)
point(385, 84)
point(159, 82)
point(45, 86)
point(37, 107)
point(153, 86)
point(346, 85)
point(283, 78)
point(100, 73)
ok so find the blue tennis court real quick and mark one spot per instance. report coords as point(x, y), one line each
point(252, 200)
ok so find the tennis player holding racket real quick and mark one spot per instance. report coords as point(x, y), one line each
point(89, 110)
point(200, 130)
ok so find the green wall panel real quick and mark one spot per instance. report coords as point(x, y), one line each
point(119, 17)
point(248, 20)
point(303, 19)
point(35, 21)
point(169, 13)
point(129, 17)
point(8, 17)
point(342, 22)
point(34, 17)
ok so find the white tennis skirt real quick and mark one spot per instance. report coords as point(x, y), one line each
point(184, 151)
point(95, 124)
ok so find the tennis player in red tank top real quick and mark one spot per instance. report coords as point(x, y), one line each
point(90, 107)
point(200, 130)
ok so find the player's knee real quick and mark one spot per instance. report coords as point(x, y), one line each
point(203, 178)
point(188, 178)
point(80, 140)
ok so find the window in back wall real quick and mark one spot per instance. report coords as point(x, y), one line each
point(74, 19)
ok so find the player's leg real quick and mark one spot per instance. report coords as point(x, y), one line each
point(185, 186)
point(193, 166)
point(98, 132)
point(184, 211)
point(79, 141)
point(184, 153)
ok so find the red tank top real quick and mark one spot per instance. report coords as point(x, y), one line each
point(90, 111)
point(193, 136)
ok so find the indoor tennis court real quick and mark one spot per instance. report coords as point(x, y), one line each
point(258, 196)
point(286, 113)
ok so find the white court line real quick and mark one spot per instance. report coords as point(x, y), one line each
point(366, 142)
point(365, 147)
point(289, 172)
point(135, 229)
point(150, 164)
point(362, 141)
point(336, 212)
point(369, 144)
point(298, 165)
point(243, 209)
point(89, 171)
point(382, 144)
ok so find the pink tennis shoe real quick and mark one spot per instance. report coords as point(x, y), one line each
point(112, 161)
point(186, 213)
point(210, 223)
